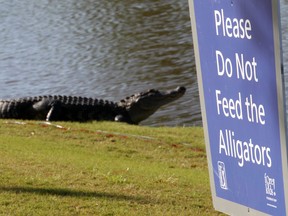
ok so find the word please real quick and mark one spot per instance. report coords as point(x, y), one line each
point(237, 28)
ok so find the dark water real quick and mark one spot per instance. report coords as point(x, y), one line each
point(284, 25)
point(99, 48)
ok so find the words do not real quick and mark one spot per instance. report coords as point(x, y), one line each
point(246, 69)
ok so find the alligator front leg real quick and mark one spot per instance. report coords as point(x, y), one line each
point(123, 118)
point(119, 118)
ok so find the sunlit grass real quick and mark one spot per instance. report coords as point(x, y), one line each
point(102, 169)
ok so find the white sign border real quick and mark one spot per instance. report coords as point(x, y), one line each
point(224, 205)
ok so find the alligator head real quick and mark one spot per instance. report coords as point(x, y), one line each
point(142, 105)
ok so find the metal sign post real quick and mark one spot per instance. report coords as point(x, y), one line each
point(238, 58)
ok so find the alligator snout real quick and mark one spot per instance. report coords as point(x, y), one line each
point(181, 89)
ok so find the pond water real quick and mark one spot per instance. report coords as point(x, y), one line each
point(104, 49)
point(99, 48)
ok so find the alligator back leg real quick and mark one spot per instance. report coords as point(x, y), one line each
point(49, 109)
point(54, 111)
point(46, 108)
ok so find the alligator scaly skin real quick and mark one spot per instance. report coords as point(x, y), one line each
point(60, 108)
point(132, 110)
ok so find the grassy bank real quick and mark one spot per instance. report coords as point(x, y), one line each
point(102, 169)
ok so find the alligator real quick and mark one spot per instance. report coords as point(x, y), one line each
point(131, 110)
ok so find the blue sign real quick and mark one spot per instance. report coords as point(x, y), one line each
point(239, 74)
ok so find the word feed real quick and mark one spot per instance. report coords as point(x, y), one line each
point(234, 108)
point(239, 106)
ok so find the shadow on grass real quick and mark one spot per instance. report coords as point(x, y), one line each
point(73, 193)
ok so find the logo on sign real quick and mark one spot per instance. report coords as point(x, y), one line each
point(270, 188)
point(222, 175)
point(270, 185)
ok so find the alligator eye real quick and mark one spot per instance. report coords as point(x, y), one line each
point(150, 91)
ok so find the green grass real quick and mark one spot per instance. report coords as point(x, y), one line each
point(102, 169)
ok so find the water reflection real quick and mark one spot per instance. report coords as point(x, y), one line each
point(100, 48)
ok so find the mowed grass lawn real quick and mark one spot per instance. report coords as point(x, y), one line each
point(102, 169)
